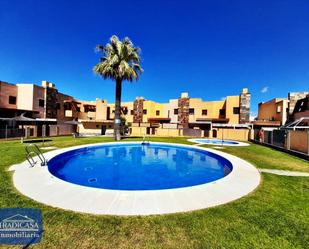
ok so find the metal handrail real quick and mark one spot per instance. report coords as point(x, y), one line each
point(33, 149)
point(144, 140)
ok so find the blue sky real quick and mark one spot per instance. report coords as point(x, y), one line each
point(209, 48)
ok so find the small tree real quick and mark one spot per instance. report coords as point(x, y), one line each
point(120, 61)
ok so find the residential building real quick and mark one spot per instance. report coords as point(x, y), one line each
point(280, 111)
point(182, 116)
point(301, 108)
point(193, 115)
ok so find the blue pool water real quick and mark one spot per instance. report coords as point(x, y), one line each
point(214, 141)
point(139, 167)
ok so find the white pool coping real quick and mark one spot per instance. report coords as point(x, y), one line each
point(40, 185)
point(195, 140)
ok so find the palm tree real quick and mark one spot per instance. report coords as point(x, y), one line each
point(120, 61)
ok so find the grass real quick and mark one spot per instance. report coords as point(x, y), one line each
point(276, 215)
point(268, 158)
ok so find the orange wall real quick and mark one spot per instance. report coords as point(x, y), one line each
point(269, 110)
point(7, 90)
point(299, 141)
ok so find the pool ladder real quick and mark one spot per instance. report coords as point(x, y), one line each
point(145, 141)
point(33, 150)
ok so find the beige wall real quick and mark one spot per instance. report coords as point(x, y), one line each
point(299, 141)
point(142, 131)
point(233, 134)
point(25, 96)
point(28, 98)
point(169, 110)
point(212, 108)
point(138, 131)
point(101, 109)
point(89, 128)
point(168, 132)
point(231, 102)
point(151, 108)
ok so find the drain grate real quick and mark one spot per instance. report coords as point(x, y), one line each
point(92, 180)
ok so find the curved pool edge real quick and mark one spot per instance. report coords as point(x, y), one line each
point(239, 144)
point(40, 185)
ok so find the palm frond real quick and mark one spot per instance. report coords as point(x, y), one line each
point(120, 60)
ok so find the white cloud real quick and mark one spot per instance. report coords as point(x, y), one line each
point(264, 89)
point(253, 115)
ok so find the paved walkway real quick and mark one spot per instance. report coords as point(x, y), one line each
point(284, 172)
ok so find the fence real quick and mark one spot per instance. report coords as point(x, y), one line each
point(37, 131)
point(11, 133)
point(288, 140)
point(192, 132)
point(60, 130)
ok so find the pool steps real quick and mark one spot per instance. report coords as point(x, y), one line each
point(33, 150)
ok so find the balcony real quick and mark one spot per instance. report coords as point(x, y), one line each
point(91, 115)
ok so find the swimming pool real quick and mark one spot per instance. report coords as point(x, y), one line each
point(139, 167)
point(180, 183)
point(217, 142)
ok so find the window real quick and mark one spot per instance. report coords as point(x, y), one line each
point(58, 106)
point(191, 111)
point(278, 109)
point(157, 112)
point(144, 111)
point(236, 110)
point(78, 109)
point(175, 111)
point(222, 112)
point(41, 102)
point(204, 112)
point(67, 106)
point(89, 108)
point(132, 112)
point(214, 133)
point(12, 100)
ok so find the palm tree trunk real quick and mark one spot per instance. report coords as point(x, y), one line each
point(117, 122)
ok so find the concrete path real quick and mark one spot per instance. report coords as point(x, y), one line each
point(39, 184)
point(284, 172)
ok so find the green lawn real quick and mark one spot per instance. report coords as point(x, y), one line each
point(276, 215)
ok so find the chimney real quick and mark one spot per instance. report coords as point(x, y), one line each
point(46, 84)
point(184, 95)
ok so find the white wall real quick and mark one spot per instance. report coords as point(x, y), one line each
point(25, 96)
point(169, 108)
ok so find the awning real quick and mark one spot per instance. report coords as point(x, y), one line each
point(28, 121)
point(97, 121)
point(248, 126)
point(267, 123)
point(213, 120)
point(158, 120)
point(302, 123)
point(72, 122)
